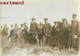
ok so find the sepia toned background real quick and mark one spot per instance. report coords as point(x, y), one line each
point(54, 10)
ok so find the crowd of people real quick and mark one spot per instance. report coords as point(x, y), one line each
point(62, 34)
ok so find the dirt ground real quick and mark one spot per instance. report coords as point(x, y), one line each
point(16, 49)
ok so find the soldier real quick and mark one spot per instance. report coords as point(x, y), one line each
point(33, 30)
point(55, 34)
point(15, 34)
point(47, 32)
point(64, 30)
point(40, 33)
point(74, 32)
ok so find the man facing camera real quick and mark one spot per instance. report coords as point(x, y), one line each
point(47, 32)
point(33, 30)
point(74, 32)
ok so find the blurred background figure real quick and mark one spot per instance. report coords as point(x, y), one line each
point(47, 32)
point(10, 32)
point(20, 38)
point(5, 31)
point(55, 34)
point(40, 33)
point(33, 30)
point(74, 32)
point(64, 30)
point(15, 33)
point(25, 33)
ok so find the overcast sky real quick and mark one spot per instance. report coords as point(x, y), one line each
point(54, 10)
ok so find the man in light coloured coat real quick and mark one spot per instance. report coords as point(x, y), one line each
point(47, 32)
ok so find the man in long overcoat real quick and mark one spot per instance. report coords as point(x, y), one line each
point(15, 33)
point(47, 32)
point(55, 34)
point(40, 33)
point(33, 30)
point(64, 33)
point(25, 33)
point(75, 32)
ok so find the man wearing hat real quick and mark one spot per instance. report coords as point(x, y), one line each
point(47, 32)
point(33, 30)
point(54, 33)
point(74, 32)
point(25, 32)
point(40, 33)
point(64, 33)
point(15, 35)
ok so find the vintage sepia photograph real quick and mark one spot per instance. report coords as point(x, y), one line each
point(40, 28)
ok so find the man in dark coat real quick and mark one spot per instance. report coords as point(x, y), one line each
point(79, 33)
point(55, 34)
point(47, 32)
point(33, 30)
point(64, 30)
point(59, 34)
point(25, 33)
point(15, 33)
point(74, 32)
point(40, 33)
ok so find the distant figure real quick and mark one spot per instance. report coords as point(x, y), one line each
point(47, 32)
point(10, 32)
point(5, 31)
point(74, 32)
point(25, 33)
point(40, 33)
point(55, 34)
point(64, 30)
point(59, 33)
point(33, 30)
point(15, 34)
point(20, 35)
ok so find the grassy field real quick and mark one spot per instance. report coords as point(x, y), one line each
point(17, 49)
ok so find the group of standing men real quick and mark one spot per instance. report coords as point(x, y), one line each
point(61, 34)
